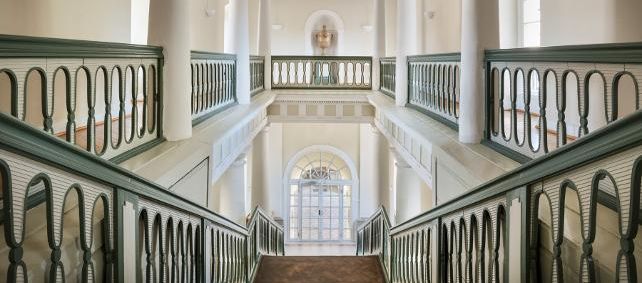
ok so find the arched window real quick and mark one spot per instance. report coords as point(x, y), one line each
point(320, 198)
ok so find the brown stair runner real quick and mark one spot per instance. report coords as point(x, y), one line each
point(321, 269)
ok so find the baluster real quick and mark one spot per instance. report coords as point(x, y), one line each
point(433, 86)
point(71, 105)
point(561, 112)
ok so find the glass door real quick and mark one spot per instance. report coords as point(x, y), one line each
point(322, 212)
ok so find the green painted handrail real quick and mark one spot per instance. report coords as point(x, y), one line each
point(205, 55)
point(266, 237)
point(213, 84)
point(558, 102)
point(14, 46)
point(588, 53)
point(321, 72)
point(387, 75)
point(443, 57)
point(434, 86)
point(373, 239)
point(616, 149)
point(38, 150)
point(257, 74)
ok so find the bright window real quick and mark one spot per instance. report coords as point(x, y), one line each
point(531, 23)
point(320, 199)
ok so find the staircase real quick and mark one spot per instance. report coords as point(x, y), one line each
point(322, 269)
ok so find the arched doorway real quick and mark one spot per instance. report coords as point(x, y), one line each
point(320, 190)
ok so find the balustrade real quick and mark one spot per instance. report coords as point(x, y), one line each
point(387, 76)
point(69, 215)
point(372, 238)
point(213, 84)
point(321, 72)
point(541, 99)
point(102, 97)
point(466, 239)
point(257, 74)
point(265, 238)
point(433, 86)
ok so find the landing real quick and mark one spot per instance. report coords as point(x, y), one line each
point(321, 269)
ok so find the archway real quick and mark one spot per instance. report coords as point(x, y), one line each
point(320, 184)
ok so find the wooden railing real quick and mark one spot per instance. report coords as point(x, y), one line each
point(265, 238)
point(387, 77)
point(372, 238)
point(433, 86)
point(102, 97)
point(541, 99)
point(257, 74)
point(468, 239)
point(213, 84)
point(126, 228)
point(321, 72)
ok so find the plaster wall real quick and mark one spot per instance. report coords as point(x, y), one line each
point(207, 30)
point(441, 26)
point(72, 19)
point(590, 21)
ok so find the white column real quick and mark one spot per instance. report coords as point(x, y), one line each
point(408, 186)
point(479, 30)
point(265, 39)
point(239, 44)
point(406, 45)
point(260, 165)
point(232, 186)
point(169, 28)
point(369, 160)
point(379, 40)
point(508, 11)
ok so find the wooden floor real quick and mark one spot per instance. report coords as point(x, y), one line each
point(551, 135)
point(320, 269)
point(82, 131)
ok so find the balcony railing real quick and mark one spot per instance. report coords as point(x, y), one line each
point(213, 84)
point(372, 238)
point(257, 74)
point(595, 177)
point(265, 238)
point(387, 78)
point(433, 86)
point(321, 72)
point(102, 97)
point(541, 99)
point(100, 222)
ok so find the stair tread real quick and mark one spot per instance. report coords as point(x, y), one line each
point(321, 269)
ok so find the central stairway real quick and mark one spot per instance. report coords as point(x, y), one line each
point(321, 269)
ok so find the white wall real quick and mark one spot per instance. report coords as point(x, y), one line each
point(73, 19)
point(194, 185)
point(442, 32)
point(292, 15)
point(590, 21)
point(207, 30)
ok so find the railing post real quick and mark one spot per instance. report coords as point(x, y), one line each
point(127, 263)
point(518, 251)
